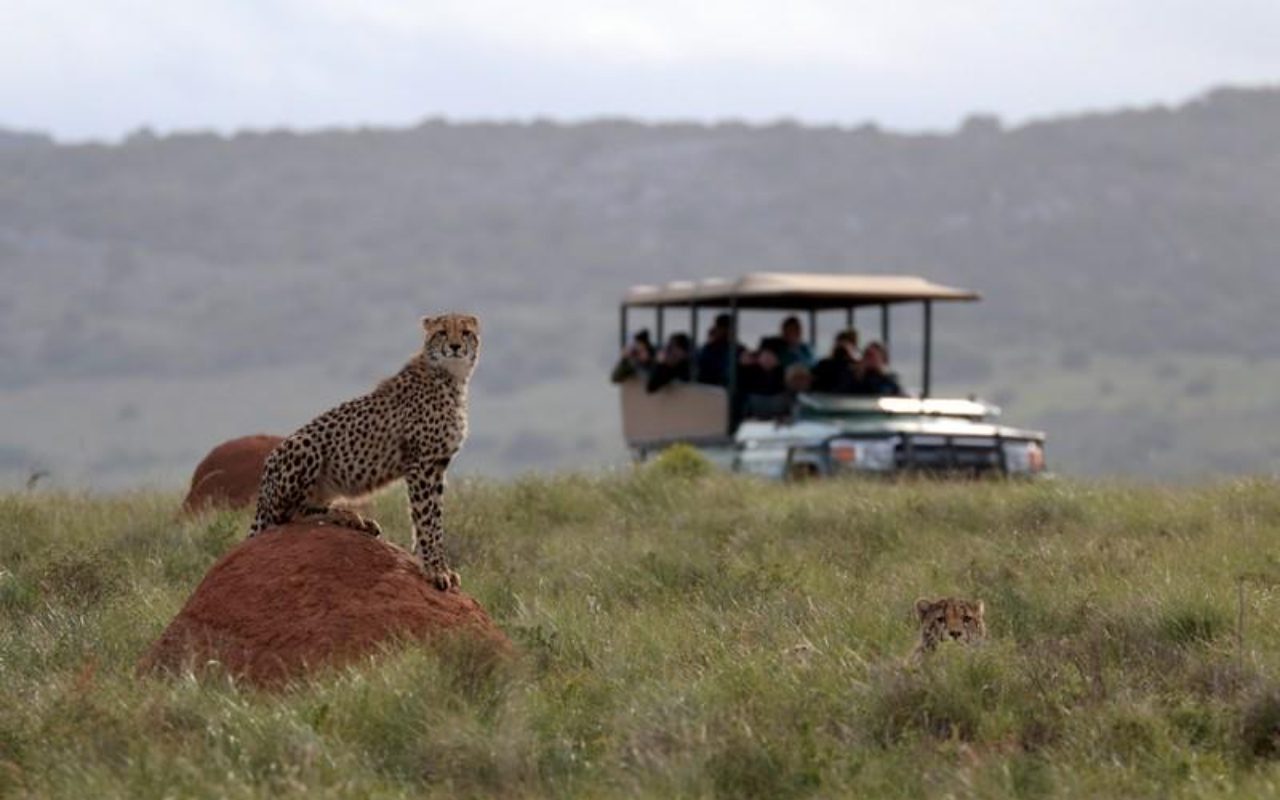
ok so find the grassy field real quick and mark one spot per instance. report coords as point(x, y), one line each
point(688, 635)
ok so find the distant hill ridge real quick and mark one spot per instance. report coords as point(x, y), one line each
point(1147, 234)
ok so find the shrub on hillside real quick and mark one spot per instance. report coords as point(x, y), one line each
point(681, 461)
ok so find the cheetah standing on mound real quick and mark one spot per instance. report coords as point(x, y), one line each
point(409, 427)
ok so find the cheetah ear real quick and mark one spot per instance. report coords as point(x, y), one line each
point(923, 605)
point(428, 323)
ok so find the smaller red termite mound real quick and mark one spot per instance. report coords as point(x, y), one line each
point(303, 597)
point(230, 474)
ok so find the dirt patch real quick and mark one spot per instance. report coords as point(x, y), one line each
point(229, 475)
point(303, 597)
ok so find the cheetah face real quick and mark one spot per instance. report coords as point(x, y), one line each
point(452, 342)
point(950, 619)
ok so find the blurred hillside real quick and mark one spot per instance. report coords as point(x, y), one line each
point(169, 292)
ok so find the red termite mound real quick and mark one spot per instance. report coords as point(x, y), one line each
point(302, 597)
point(229, 475)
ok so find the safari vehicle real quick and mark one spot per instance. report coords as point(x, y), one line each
point(824, 434)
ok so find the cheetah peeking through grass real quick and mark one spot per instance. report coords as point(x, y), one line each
point(949, 619)
point(409, 427)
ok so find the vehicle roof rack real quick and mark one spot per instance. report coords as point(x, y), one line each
point(795, 290)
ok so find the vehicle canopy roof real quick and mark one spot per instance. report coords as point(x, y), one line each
point(795, 290)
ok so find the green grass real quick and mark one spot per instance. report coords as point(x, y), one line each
point(687, 635)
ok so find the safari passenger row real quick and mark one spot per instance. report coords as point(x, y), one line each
point(763, 381)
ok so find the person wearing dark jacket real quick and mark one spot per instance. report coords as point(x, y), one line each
point(761, 372)
point(762, 386)
point(836, 374)
point(714, 356)
point(873, 376)
point(635, 361)
point(794, 348)
point(672, 364)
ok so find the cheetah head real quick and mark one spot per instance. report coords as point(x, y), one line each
point(950, 619)
point(452, 342)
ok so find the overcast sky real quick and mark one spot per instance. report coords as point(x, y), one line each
point(100, 68)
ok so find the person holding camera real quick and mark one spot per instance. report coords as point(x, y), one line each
point(674, 363)
point(837, 373)
point(872, 375)
point(636, 360)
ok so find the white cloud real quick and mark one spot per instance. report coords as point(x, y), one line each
point(85, 68)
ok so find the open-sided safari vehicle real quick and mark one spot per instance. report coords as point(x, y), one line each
point(823, 434)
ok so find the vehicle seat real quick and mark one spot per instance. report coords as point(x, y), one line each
point(689, 411)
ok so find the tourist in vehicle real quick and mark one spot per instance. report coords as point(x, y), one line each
point(798, 379)
point(761, 372)
point(636, 359)
point(873, 377)
point(673, 362)
point(836, 374)
point(714, 356)
point(796, 349)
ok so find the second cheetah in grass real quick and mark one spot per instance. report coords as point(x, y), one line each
point(949, 619)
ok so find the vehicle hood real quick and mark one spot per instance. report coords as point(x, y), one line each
point(819, 430)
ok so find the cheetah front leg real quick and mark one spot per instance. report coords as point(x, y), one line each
point(426, 490)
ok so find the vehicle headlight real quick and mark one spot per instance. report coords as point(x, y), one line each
point(863, 454)
point(1025, 458)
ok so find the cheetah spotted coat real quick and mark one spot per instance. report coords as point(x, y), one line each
point(409, 427)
